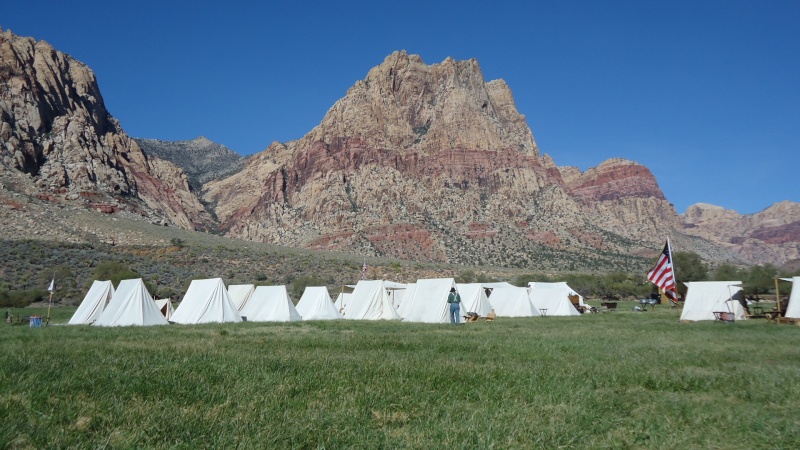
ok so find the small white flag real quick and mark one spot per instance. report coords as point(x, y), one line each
point(52, 286)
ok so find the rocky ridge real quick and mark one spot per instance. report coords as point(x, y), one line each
point(771, 235)
point(54, 126)
point(431, 162)
point(201, 159)
point(417, 161)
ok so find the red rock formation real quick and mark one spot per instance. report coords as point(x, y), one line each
point(55, 127)
point(771, 235)
point(424, 153)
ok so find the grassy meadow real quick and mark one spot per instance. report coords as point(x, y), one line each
point(614, 380)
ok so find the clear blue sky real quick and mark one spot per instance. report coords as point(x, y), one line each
point(704, 93)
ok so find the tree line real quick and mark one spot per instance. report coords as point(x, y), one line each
point(756, 280)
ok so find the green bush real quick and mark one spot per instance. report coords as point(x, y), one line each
point(21, 299)
point(299, 284)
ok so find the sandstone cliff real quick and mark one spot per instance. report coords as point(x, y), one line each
point(771, 235)
point(416, 161)
point(431, 162)
point(54, 126)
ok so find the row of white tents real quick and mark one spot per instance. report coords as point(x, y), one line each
point(424, 301)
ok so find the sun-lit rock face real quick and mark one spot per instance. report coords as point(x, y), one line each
point(432, 162)
point(771, 235)
point(416, 161)
point(54, 126)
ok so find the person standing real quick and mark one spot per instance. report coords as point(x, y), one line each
point(454, 299)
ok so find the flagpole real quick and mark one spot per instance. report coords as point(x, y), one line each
point(52, 289)
point(49, 304)
point(674, 276)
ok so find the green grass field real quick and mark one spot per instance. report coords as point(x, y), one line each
point(614, 380)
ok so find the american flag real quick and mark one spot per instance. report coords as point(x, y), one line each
point(663, 273)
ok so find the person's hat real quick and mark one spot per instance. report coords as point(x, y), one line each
point(452, 289)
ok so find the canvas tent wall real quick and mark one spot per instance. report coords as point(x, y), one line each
point(395, 292)
point(498, 284)
point(703, 298)
point(341, 300)
point(793, 308)
point(473, 299)
point(552, 297)
point(206, 301)
point(270, 304)
point(316, 304)
point(429, 303)
point(512, 302)
point(131, 304)
point(239, 293)
point(405, 302)
point(93, 304)
point(165, 306)
point(370, 302)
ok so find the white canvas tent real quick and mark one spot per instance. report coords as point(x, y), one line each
point(206, 301)
point(512, 302)
point(704, 298)
point(93, 303)
point(793, 308)
point(429, 303)
point(370, 302)
point(316, 304)
point(270, 304)
point(165, 306)
point(473, 299)
point(552, 297)
point(239, 293)
point(131, 304)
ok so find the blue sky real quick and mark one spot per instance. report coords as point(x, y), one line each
point(704, 93)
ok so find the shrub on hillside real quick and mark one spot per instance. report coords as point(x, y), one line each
point(300, 283)
point(21, 299)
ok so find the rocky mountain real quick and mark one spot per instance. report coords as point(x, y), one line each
point(416, 161)
point(432, 162)
point(771, 235)
point(201, 159)
point(55, 128)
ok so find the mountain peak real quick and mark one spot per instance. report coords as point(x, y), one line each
point(406, 105)
point(54, 126)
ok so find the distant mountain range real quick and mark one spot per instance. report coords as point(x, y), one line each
point(416, 161)
point(201, 159)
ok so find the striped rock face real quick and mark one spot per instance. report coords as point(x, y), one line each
point(432, 162)
point(54, 126)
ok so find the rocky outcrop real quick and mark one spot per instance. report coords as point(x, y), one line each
point(201, 159)
point(624, 197)
point(432, 162)
point(54, 126)
point(416, 161)
point(771, 235)
point(613, 179)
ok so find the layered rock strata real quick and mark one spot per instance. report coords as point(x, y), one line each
point(54, 126)
point(432, 162)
